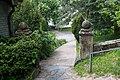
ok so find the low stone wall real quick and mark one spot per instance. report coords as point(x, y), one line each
point(106, 45)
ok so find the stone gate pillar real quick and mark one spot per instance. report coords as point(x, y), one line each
point(86, 40)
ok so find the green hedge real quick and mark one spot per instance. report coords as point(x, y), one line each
point(19, 55)
point(28, 12)
point(76, 25)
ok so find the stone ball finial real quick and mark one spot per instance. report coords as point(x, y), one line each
point(22, 25)
point(23, 29)
point(86, 24)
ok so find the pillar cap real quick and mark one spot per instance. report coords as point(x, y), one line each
point(86, 24)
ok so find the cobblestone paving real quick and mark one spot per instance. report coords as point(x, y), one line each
point(59, 66)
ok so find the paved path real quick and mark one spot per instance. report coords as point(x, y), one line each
point(63, 56)
point(59, 66)
point(60, 63)
point(64, 35)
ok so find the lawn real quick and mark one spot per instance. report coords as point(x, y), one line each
point(107, 63)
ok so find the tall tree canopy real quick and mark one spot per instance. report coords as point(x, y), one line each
point(104, 14)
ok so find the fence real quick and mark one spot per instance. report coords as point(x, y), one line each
point(91, 55)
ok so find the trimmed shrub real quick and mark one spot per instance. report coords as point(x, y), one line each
point(19, 56)
point(76, 25)
point(17, 60)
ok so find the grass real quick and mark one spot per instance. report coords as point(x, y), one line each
point(105, 64)
point(78, 48)
point(108, 63)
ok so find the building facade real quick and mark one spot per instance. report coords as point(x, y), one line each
point(4, 12)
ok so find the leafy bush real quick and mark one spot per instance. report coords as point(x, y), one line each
point(29, 13)
point(16, 60)
point(76, 25)
point(3, 39)
point(19, 55)
point(103, 32)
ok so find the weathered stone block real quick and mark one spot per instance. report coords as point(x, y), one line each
point(106, 45)
point(86, 40)
point(86, 46)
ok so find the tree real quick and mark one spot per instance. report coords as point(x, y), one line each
point(49, 9)
point(76, 26)
point(29, 13)
point(102, 13)
point(111, 12)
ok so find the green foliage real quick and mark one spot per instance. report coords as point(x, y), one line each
point(108, 63)
point(110, 15)
point(19, 55)
point(18, 59)
point(78, 49)
point(103, 32)
point(48, 8)
point(106, 37)
point(3, 39)
point(103, 14)
point(29, 13)
point(76, 26)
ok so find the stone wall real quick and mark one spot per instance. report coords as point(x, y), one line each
point(4, 10)
point(106, 45)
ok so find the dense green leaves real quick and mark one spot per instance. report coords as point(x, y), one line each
point(27, 12)
point(103, 14)
point(17, 59)
point(49, 9)
point(19, 55)
point(76, 26)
